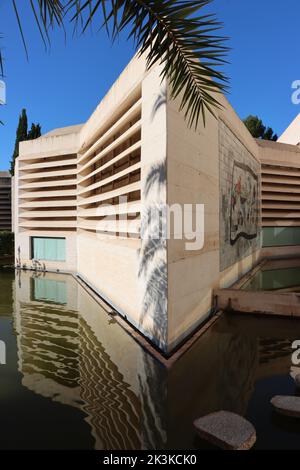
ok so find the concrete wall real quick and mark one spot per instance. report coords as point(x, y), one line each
point(111, 267)
point(23, 253)
point(152, 273)
point(194, 176)
point(45, 197)
point(292, 134)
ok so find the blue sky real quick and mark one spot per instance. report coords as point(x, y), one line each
point(63, 86)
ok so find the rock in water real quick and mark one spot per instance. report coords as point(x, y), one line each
point(289, 406)
point(226, 430)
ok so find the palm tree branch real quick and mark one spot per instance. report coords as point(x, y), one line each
point(169, 33)
point(198, 82)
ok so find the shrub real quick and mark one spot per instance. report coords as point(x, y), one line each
point(6, 243)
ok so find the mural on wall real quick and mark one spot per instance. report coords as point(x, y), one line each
point(243, 212)
point(239, 199)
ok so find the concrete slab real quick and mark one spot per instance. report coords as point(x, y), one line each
point(262, 302)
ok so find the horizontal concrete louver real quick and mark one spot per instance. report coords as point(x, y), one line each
point(280, 195)
point(5, 203)
point(109, 168)
point(47, 193)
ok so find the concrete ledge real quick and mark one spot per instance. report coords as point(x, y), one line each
point(144, 342)
point(267, 303)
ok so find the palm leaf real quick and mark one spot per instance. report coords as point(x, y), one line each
point(47, 14)
point(173, 33)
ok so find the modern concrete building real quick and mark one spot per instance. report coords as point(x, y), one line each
point(5, 201)
point(83, 195)
point(280, 198)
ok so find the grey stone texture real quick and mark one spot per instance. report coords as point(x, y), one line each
point(286, 405)
point(226, 430)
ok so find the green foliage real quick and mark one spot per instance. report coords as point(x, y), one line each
point(173, 33)
point(6, 244)
point(258, 130)
point(23, 134)
point(35, 132)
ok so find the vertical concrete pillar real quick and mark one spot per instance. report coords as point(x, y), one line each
point(153, 254)
point(15, 210)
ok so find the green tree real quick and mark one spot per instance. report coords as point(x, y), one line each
point(173, 33)
point(23, 134)
point(258, 130)
point(35, 132)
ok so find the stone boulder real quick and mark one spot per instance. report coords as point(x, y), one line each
point(226, 430)
point(285, 405)
point(297, 381)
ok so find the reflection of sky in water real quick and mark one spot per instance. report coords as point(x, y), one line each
point(75, 379)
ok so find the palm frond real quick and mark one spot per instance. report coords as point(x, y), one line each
point(47, 14)
point(173, 33)
point(170, 32)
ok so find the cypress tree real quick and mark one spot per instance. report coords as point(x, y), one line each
point(21, 135)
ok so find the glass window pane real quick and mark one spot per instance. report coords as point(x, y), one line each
point(49, 249)
point(281, 236)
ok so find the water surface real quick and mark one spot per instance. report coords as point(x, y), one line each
point(75, 380)
point(287, 279)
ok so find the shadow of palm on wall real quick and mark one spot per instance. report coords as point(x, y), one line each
point(153, 259)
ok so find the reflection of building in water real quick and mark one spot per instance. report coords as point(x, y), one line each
point(273, 348)
point(239, 358)
point(276, 354)
point(73, 353)
point(86, 361)
point(48, 346)
point(217, 373)
point(153, 381)
point(113, 409)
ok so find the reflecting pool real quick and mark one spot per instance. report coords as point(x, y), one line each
point(287, 279)
point(74, 379)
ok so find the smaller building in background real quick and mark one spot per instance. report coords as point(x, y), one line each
point(5, 201)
